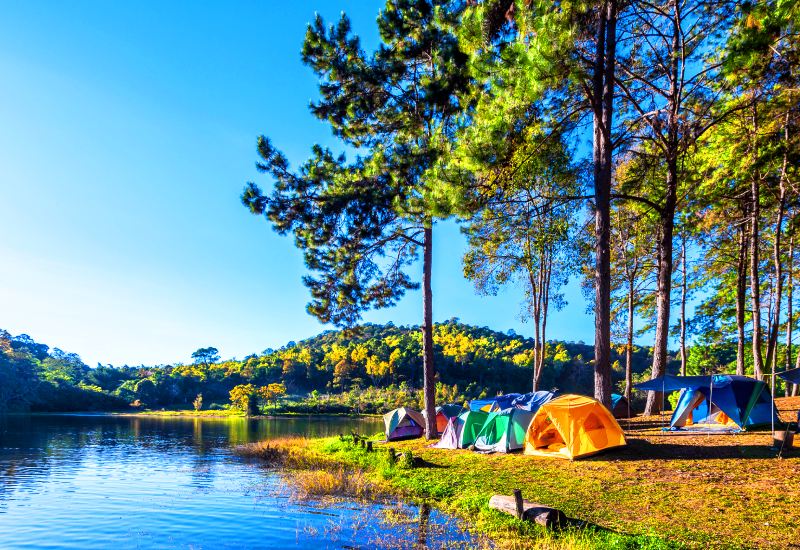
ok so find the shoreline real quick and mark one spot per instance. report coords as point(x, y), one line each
point(659, 491)
point(195, 414)
point(331, 467)
point(202, 414)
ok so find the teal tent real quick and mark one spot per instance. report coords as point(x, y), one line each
point(504, 431)
point(462, 430)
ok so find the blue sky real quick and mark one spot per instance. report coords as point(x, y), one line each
point(128, 133)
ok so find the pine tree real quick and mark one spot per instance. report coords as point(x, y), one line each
point(557, 60)
point(362, 223)
point(524, 230)
point(669, 79)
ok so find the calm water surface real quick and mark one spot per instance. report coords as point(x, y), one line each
point(130, 482)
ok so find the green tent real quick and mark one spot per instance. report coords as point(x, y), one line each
point(462, 430)
point(504, 431)
point(472, 421)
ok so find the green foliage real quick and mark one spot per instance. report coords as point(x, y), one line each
point(472, 362)
point(244, 397)
point(206, 355)
point(360, 223)
point(672, 398)
point(34, 378)
point(711, 359)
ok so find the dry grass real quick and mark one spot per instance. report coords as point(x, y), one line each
point(335, 483)
point(311, 474)
point(282, 452)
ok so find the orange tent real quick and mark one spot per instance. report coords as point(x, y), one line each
point(572, 426)
point(444, 413)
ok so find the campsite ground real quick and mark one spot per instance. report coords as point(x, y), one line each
point(662, 490)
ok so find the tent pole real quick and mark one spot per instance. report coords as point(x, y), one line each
point(629, 412)
point(772, 392)
point(710, 399)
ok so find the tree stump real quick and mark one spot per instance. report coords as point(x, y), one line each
point(526, 510)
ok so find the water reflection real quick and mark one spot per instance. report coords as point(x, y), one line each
point(140, 482)
point(29, 444)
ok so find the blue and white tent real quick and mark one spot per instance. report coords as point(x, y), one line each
point(718, 402)
point(532, 401)
point(792, 376)
point(494, 404)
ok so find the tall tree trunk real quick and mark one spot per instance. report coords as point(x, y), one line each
point(629, 343)
point(755, 283)
point(772, 343)
point(741, 297)
point(602, 105)
point(789, 290)
point(535, 280)
point(667, 220)
point(683, 303)
point(428, 372)
point(536, 355)
point(664, 284)
point(545, 305)
point(796, 387)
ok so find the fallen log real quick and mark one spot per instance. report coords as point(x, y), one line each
point(527, 510)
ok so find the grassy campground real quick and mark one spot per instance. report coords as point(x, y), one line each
point(662, 491)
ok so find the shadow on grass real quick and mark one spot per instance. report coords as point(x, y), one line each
point(598, 535)
point(579, 524)
point(653, 423)
point(420, 462)
point(640, 449)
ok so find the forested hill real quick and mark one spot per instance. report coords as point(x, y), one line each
point(478, 360)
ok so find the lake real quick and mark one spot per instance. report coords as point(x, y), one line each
point(152, 482)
